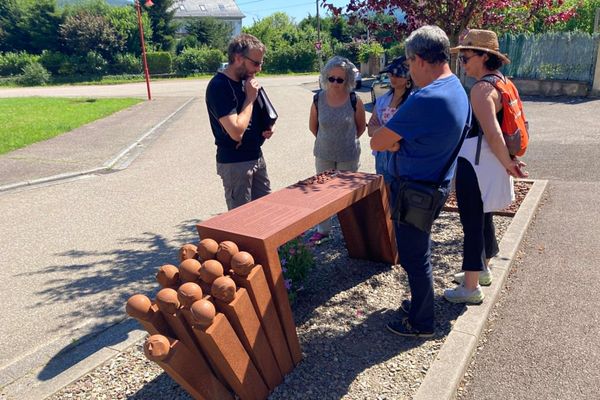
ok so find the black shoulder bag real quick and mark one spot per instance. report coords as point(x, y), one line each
point(267, 110)
point(419, 203)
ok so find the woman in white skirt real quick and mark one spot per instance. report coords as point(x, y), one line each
point(484, 185)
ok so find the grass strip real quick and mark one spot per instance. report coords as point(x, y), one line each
point(24, 121)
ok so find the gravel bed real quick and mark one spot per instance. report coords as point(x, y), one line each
point(340, 316)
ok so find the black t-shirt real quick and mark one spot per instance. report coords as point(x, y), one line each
point(225, 97)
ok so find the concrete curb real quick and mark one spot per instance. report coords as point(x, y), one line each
point(83, 357)
point(119, 162)
point(447, 371)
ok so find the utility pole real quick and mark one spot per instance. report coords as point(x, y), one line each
point(318, 22)
point(319, 45)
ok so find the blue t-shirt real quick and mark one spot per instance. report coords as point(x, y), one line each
point(430, 122)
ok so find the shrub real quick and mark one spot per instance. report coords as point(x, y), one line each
point(198, 60)
point(348, 50)
point(297, 259)
point(53, 61)
point(395, 51)
point(13, 63)
point(126, 64)
point(93, 63)
point(368, 50)
point(34, 74)
point(159, 62)
point(298, 58)
point(185, 43)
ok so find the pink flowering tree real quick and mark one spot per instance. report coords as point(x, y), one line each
point(455, 16)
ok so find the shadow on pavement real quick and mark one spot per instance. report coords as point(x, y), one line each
point(131, 271)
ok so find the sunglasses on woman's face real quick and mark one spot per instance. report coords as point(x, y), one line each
point(464, 59)
point(335, 79)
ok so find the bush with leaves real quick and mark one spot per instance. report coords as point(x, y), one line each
point(126, 64)
point(53, 61)
point(348, 50)
point(34, 74)
point(370, 50)
point(298, 58)
point(395, 51)
point(84, 32)
point(12, 63)
point(203, 59)
point(186, 42)
point(159, 62)
point(209, 31)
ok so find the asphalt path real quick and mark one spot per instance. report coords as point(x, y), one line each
point(72, 253)
point(543, 340)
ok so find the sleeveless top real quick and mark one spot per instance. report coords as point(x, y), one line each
point(336, 136)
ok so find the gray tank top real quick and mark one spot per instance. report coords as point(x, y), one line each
point(336, 136)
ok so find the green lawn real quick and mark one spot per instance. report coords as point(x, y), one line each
point(24, 121)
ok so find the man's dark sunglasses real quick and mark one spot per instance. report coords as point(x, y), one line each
point(256, 63)
point(335, 79)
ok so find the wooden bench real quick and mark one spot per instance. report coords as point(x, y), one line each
point(260, 227)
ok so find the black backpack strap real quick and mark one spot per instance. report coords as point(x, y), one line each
point(466, 129)
point(478, 151)
point(316, 101)
point(353, 100)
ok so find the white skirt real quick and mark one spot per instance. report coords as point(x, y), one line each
point(495, 184)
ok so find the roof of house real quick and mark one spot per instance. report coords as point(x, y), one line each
point(207, 8)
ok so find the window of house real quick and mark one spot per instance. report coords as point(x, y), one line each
point(202, 7)
point(221, 7)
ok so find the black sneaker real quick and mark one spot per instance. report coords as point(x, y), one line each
point(405, 306)
point(403, 328)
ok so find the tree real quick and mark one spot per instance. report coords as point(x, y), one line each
point(42, 26)
point(85, 32)
point(161, 20)
point(10, 15)
point(124, 21)
point(210, 31)
point(585, 13)
point(454, 16)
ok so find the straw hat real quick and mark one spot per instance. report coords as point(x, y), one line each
point(480, 39)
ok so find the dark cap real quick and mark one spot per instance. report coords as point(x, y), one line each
point(397, 67)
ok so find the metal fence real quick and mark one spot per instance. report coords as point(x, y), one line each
point(555, 56)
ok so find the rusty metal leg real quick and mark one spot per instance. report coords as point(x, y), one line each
point(368, 230)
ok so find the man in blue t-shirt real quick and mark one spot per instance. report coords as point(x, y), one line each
point(423, 133)
point(237, 124)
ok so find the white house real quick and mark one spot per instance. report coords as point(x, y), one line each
point(224, 10)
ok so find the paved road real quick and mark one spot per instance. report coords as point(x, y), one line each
point(545, 341)
point(72, 253)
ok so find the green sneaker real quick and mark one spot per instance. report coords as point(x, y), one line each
point(485, 277)
point(461, 295)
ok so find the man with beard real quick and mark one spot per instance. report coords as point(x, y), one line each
point(236, 124)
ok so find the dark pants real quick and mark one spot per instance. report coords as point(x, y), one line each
point(244, 181)
point(414, 251)
point(478, 227)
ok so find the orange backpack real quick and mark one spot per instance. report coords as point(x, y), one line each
point(514, 126)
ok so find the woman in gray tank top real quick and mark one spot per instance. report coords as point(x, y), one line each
point(337, 125)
